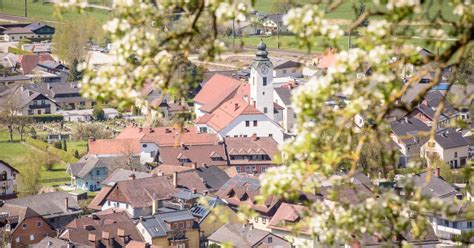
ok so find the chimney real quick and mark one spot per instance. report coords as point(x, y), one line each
point(91, 139)
point(131, 177)
point(194, 166)
point(254, 137)
point(66, 204)
point(69, 245)
point(204, 165)
point(140, 129)
point(183, 146)
point(154, 204)
point(91, 237)
point(194, 191)
point(437, 172)
point(175, 179)
point(254, 103)
point(167, 130)
point(236, 106)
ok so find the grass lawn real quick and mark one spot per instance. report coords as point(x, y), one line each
point(45, 12)
point(287, 42)
point(80, 146)
point(19, 155)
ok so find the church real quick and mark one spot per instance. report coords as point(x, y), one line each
point(235, 108)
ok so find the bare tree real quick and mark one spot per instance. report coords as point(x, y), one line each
point(10, 108)
point(22, 123)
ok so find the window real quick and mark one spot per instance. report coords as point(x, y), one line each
point(469, 224)
point(270, 135)
point(446, 223)
point(284, 71)
point(32, 237)
point(144, 145)
point(4, 176)
point(270, 240)
point(247, 123)
point(455, 154)
point(263, 93)
point(238, 169)
point(24, 226)
point(39, 223)
point(254, 123)
point(17, 239)
point(181, 225)
point(294, 70)
point(264, 81)
point(265, 110)
point(264, 221)
point(203, 129)
point(255, 219)
point(97, 172)
point(455, 224)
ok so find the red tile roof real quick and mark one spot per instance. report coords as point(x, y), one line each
point(114, 146)
point(227, 112)
point(28, 62)
point(199, 154)
point(286, 216)
point(226, 87)
point(174, 137)
point(243, 190)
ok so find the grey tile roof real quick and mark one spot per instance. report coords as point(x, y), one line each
point(156, 226)
point(238, 235)
point(449, 138)
point(89, 162)
point(285, 95)
point(436, 187)
point(49, 204)
point(408, 126)
point(213, 176)
point(123, 175)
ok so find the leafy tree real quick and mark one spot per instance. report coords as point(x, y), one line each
point(98, 113)
point(84, 131)
point(65, 145)
point(70, 40)
point(74, 73)
point(157, 53)
point(29, 177)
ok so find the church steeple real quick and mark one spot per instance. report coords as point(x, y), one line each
point(261, 81)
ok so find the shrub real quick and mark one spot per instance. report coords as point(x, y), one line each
point(57, 144)
point(47, 118)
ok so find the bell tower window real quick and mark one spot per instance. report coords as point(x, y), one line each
point(264, 81)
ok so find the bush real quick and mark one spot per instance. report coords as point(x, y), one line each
point(47, 118)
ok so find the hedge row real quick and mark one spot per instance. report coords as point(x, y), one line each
point(47, 118)
point(18, 51)
point(61, 154)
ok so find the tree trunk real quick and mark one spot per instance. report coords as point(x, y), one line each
point(10, 129)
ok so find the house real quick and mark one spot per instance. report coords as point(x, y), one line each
point(54, 243)
point(37, 48)
point(89, 172)
point(28, 31)
point(282, 97)
point(14, 79)
point(23, 226)
point(170, 229)
point(231, 108)
point(121, 174)
point(284, 222)
point(286, 68)
point(238, 235)
point(273, 24)
point(199, 154)
point(449, 146)
point(7, 180)
point(28, 102)
point(446, 228)
point(58, 210)
point(138, 195)
point(409, 134)
point(426, 110)
point(66, 95)
point(207, 215)
point(251, 154)
point(103, 229)
point(242, 190)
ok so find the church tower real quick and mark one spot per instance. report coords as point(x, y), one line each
point(261, 81)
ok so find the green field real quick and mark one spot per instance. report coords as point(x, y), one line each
point(19, 155)
point(45, 12)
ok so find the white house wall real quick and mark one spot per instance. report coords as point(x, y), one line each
point(264, 127)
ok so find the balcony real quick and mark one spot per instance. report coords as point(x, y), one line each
point(40, 106)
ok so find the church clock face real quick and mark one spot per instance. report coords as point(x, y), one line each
point(264, 69)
